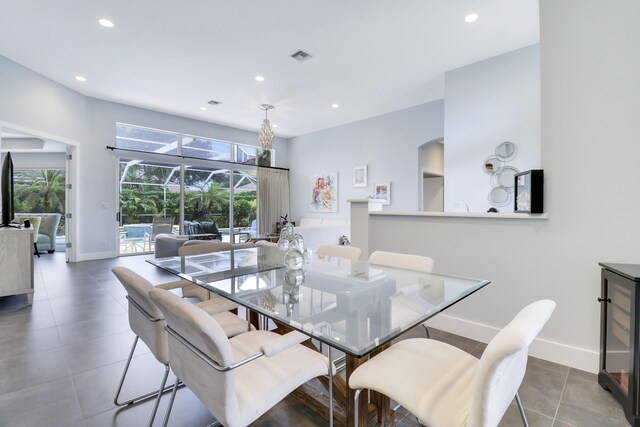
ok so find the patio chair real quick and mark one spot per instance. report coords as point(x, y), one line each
point(160, 225)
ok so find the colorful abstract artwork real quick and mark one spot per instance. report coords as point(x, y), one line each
point(324, 192)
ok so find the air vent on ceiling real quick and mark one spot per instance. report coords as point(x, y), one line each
point(301, 56)
point(214, 102)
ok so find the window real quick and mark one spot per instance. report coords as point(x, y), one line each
point(151, 186)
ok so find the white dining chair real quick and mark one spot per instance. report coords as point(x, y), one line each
point(191, 290)
point(147, 323)
point(348, 252)
point(405, 261)
point(237, 379)
point(444, 386)
point(423, 264)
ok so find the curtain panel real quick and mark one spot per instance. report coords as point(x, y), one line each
point(273, 198)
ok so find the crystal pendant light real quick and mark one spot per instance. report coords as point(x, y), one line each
point(266, 131)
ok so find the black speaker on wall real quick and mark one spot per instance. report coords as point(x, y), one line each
point(529, 192)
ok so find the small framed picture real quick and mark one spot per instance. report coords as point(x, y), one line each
point(360, 176)
point(382, 191)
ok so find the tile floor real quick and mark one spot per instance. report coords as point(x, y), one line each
point(61, 359)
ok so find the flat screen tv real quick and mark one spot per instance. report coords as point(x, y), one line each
point(6, 192)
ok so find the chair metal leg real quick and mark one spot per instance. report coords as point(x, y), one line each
point(155, 406)
point(173, 397)
point(521, 409)
point(124, 374)
point(330, 388)
point(426, 329)
point(355, 409)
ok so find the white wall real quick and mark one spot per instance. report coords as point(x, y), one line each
point(487, 103)
point(39, 106)
point(590, 150)
point(388, 144)
point(38, 160)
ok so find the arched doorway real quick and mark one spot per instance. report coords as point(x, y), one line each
point(431, 176)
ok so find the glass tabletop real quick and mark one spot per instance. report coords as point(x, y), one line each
point(349, 305)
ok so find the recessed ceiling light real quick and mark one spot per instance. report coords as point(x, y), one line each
point(203, 108)
point(274, 125)
point(472, 17)
point(259, 78)
point(105, 23)
point(81, 78)
point(335, 106)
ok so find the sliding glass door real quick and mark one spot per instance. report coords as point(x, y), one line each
point(191, 179)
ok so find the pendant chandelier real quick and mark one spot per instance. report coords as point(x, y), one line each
point(266, 131)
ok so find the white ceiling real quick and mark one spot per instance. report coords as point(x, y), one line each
point(369, 56)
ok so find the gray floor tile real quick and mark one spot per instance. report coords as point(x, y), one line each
point(88, 355)
point(586, 376)
point(49, 404)
point(35, 341)
point(512, 418)
point(89, 330)
point(96, 388)
point(561, 369)
point(586, 404)
point(21, 324)
point(541, 389)
point(558, 423)
point(29, 370)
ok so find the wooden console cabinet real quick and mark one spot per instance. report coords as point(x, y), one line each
point(16, 262)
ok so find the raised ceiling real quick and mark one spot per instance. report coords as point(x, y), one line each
point(369, 56)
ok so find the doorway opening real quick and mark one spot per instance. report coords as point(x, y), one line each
point(431, 176)
point(41, 185)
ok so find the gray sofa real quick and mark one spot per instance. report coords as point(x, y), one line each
point(47, 232)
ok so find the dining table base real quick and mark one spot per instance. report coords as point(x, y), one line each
point(378, 407)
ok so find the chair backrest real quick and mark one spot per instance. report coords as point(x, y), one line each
point(161, 225)
point(215, 389)
point(151, 332)
point(503, 363)
point(348, 252)
point(197, 247)
point(406, 261)
point(35, 224)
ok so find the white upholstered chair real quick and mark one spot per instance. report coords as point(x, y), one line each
point(348, 252)
point(405, 261)
point(147, 322)
point(423, 264)
point(445, 387)
point(238, 379)
point(190, 290)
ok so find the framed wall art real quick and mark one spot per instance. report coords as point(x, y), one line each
point(382, 191)
point(324, 192)
point(360, 176)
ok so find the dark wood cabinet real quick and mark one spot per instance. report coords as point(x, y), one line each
point(619, 327)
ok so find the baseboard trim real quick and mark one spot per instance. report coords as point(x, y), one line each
point(96, 255)
point(575, 357)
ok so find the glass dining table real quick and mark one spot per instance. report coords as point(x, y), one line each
point(350, 306)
